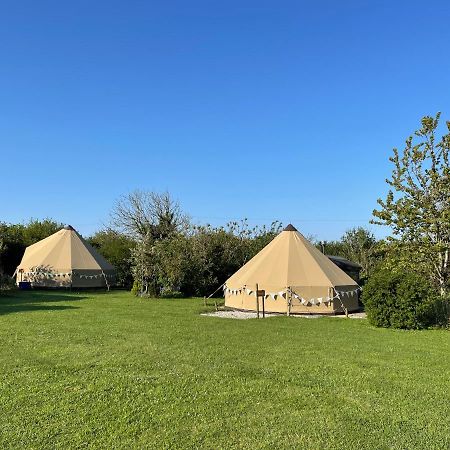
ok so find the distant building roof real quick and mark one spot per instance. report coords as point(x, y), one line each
point(340, 260)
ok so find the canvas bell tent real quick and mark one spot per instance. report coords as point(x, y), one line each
point(295, 277)
point(64, 259)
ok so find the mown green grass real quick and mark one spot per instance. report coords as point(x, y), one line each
point(113, 371)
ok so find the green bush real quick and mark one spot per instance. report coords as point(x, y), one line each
point(171, 294)
point(136, 289)
point(7, 283)
point(403, 300)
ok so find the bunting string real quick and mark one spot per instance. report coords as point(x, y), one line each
point(282, 295)
point(63, 274)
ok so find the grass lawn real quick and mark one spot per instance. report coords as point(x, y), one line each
point(113, 371)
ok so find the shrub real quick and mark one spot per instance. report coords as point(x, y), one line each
point(171, 294)
point(6, 283)
point(136, 289)
point(403, 300)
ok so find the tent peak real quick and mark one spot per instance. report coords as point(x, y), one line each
point(290, 227)
point(69, 227)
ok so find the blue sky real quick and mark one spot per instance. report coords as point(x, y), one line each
point(260, 109)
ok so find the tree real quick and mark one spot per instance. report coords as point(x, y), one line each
point(332, 248)
point(417, 206)
point(16, 237)
point(117, 249)
point(199, 261)
point(147, 215)
point(2, 249)
point(36, 230)
point(359, 246)
point(356, 244)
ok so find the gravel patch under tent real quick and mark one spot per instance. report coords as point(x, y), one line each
point(243, 315)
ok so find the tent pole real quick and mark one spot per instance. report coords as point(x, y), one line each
point(263, 299)
point(288, 301)
point(257, 302)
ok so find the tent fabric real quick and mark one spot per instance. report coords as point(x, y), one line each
point(290, 264)
point(64, 259)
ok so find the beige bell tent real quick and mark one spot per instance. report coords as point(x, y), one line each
point(295, 278)
point(64, 259)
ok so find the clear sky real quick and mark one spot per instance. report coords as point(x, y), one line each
point(268, 110)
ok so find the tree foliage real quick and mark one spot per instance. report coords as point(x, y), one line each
point(199, 259)
point(147, 218)
point(14, 238)
point(358, 245)
point(417, 206)
point(403, 299)
point(117, 249)
point(147, 215)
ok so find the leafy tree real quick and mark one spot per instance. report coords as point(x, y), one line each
point(417, 206)
point(197, 260)
point(16, 237)
point(2, 249)
point(332, 248)
point(147, 217)
point(36, 230)
point(117, 249)
point(359, 245)
point(13, 247)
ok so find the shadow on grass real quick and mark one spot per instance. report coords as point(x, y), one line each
point(21, 301)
